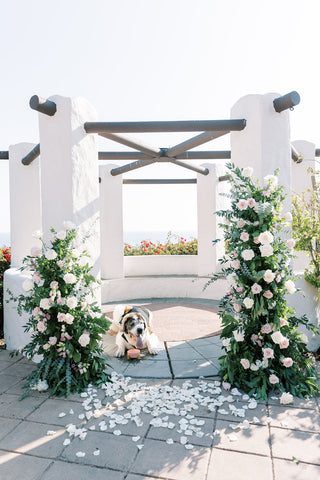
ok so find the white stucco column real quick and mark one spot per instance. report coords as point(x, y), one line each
point(25, 202)
point(208, 202)
point(111, 223)
point(69, 172)
point(264, 144)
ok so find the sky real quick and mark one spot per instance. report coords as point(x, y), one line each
point(140, 60)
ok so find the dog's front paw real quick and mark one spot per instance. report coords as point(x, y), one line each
point(119, 352)
point(152, 350)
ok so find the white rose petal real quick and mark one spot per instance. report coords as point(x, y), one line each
point(117, 432)
point(189, 446)
point(51, 432)
point(96, 452)
point(51, 255)
point(66, 442)
point(62, 414)
point(27, 285)
point(140, 446)
point(80, 454)
point(170, 441)
point(135, 439)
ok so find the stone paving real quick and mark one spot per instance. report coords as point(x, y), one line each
point(282, 441)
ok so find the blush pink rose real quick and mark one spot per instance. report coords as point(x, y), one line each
point(251, 202)
point(239, 289)
point(235, 264)
point(61, 317)
point(273, 379)
point(285, 343)
point(287, 362)
point(256, 240)
point(278, 278)
point(291, 243)
point(237, 307)
point(283, 322)
point(242, 204)
point(256, 288)
point(53, 340)
point(41, 326)
point(268, 294)
point(245, 363)
point(241, 223)
point(268, 353)
point(266, 328)
point(244, 236)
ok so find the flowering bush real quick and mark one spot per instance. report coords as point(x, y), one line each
point(180, 247)
point(5, 260)
point(263, 349)
point(65, 322)
point(306, 229)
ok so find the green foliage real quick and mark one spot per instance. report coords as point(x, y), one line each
point(65, 322)
point(5, 260)
point(264, 350)
point(306, 230)
point(174, 245)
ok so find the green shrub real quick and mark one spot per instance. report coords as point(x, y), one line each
point(170, 247)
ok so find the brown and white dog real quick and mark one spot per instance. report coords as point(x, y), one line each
point(130, 328)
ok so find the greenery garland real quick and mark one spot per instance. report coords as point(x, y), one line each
point(264, 350)
point(65, 322)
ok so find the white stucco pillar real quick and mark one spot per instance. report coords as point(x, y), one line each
point(69, 172)
point(25, 219)
point(264, 144)
point(208, 202)
point(111, 223)
point(25, 202)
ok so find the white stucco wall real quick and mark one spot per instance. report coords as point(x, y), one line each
point(160, 265)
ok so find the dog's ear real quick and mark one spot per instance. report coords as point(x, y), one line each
point(128, 309)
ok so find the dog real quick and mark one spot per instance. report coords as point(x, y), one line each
point(130, 328)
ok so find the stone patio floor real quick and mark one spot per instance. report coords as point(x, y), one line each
point(282, 441)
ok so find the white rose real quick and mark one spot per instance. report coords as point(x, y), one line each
point(288, 216)
point(84, 339)
point(266, 250)
point(45, 303)
point(265, 237)
point(270, 180)
point(50, 255)
point(238, 336)
point(286, 398)
point(70, 278)
point(289, 285)
point(72, 302)
point(277, 337)
point(69, 318)
point(62, 235)
point(27, 285)
point(231, 279)
point(247, 254)
point(304, 338)
point(68, 225)
point(37, 234)
point(269, 276)
point(247, 172)
point(248, 302)
point(265, 363)
point(254, 367)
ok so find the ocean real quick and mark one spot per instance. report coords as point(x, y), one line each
point(132, 238)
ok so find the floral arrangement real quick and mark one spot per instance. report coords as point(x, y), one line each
point(306, 230)
point(263, 349)
point(5, 260)
point(65, 321)
point(179, 247)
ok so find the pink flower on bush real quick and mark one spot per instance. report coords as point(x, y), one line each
point(61, 317)
point(245, 363)
point(41, 326)
point(53, 340)
point(268, 353)
point(291, 243)
point(268, 294)
point(244, 236)
point(266, 328)
point(256, 240)
point(235, 264)
point(283, 322)
point(36, 311)
point(256, 288)
point(237, 307)
point(239, 289)
point(241, 223)
point(278, 278)
point(251, 202)
point(285, 343)
point(287, 362)
point(242, 204)
point(273, 379)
